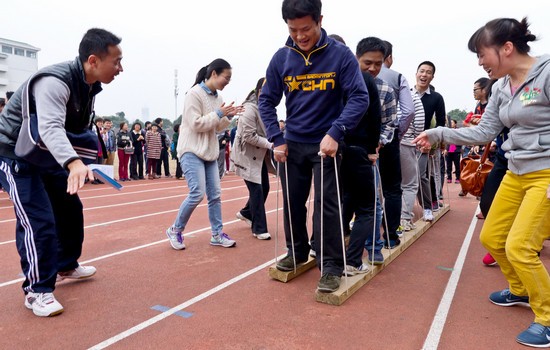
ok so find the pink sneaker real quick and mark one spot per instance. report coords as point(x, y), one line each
point(488, 260)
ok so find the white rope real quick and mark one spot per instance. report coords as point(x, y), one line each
point(339, 213)
point(438, 187)
point(309, 211)
point(447, 199)
point(290, 216)
point(374, 217)
point(277, 216)
point(419, 179)
point(420, 182)
point(383, 204)
point(340, 216)
point(322, 241)
point(437, 183)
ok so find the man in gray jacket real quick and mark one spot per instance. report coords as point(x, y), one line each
point(50, 221)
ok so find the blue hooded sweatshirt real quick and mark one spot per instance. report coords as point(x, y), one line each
point(325, 92)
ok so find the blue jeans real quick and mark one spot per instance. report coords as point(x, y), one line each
point(202, 177)
point(378, 243)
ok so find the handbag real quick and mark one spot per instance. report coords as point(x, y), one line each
point(129, 149)
point(474, 171)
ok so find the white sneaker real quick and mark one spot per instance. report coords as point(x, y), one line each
point(407, 225)
point(81, 272)
point(222, 240)
point(312, 253)
point(241, 217)
point(352, 270)
point(176, 239)
point(43, 304)
point(262, 236)
point(428, 215)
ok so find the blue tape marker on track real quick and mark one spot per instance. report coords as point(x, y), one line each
point(161, 308)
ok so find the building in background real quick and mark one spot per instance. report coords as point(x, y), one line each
point(18, 61)
point(145, 114)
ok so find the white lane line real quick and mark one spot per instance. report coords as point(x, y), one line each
point(19, 280)
point(162, 316)
point(127, 203)
point(438, 323)
point(141, 216)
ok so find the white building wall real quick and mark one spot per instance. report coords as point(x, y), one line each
point(15, 69)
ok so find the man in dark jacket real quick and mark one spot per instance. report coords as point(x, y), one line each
point(50, 221)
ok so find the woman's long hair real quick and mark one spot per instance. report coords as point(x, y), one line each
point(218, 66)
point(253, 95)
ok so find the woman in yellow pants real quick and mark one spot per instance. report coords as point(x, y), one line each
point(519, 218)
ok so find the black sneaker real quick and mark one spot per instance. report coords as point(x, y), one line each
point(287, 263)
point(393, 243)
point(328, 283)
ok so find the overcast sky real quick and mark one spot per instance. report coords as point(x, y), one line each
point(161, 36)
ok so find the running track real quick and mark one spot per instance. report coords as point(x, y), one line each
point(148, 296)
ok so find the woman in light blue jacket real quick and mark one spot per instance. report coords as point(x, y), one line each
point(519, 218)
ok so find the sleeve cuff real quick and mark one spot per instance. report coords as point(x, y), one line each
point(68, 161)
point(335, 133)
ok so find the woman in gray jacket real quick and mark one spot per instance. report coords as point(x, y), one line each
point(252, 159)
point(518, 221)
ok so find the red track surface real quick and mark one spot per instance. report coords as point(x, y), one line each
point(224, 309)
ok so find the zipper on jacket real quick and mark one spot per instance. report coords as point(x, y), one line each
point(306, 59)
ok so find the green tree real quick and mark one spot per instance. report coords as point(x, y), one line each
point(458, 115)
point(167, 124)
point(118, 118)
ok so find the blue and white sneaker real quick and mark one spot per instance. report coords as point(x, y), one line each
point(536, 335)
point(222, 240)
point(506, 298)
point(176, 238)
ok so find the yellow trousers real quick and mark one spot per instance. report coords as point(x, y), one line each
point(516, 226)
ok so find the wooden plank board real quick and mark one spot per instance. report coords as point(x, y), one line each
point(285, 276)
point(349, 285)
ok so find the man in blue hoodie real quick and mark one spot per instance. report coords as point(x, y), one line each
point(325, 97)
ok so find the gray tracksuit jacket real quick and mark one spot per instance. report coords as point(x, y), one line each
point(526, 114)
